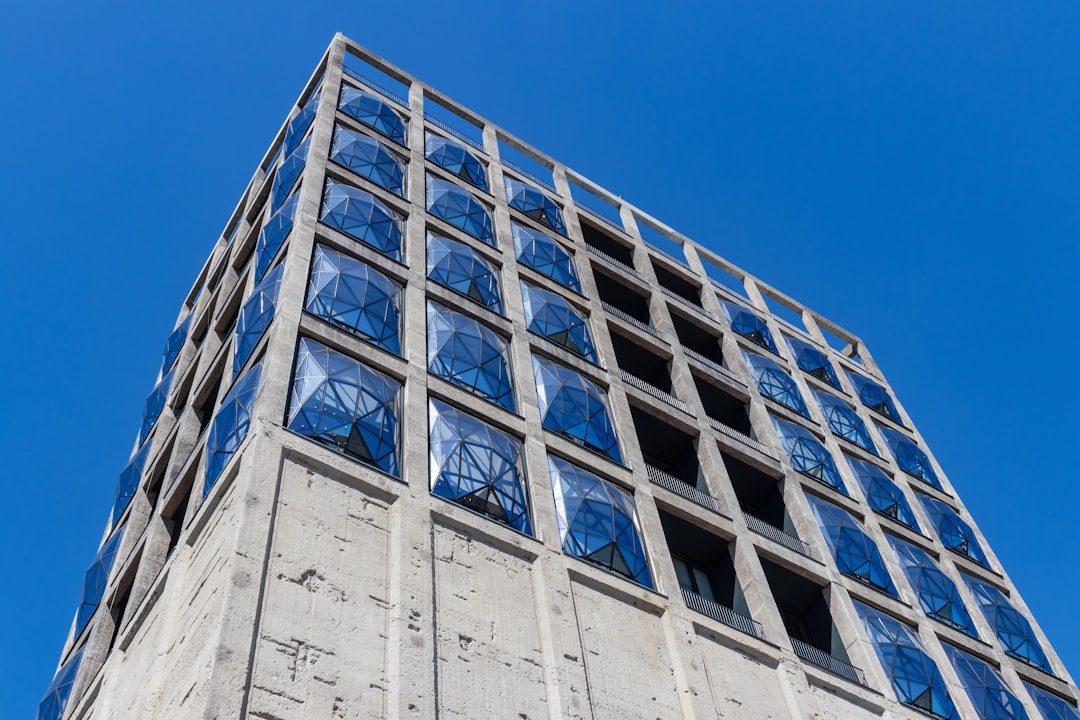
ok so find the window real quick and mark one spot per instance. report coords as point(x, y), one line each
point(345, 405)
point(453, 156)
point(807, 455)
point(844, 421)
point(128, 482)
point(984, 686)
point(299, 125)
point(874, 397)
point(774, 383)
point(355, 297)
point(460, 208)
point(230, 425)
point(954, 533)
point(855, 553)
point(54, 703)
point(255, 317)
point(154, 404)
point(937, 593)
point(1013, 630)
point(273, 234)
point(915, 678)
point(469, 355)
point(288, 174)
point(535, 204)
point(174, 344)
point(457, 266)
point(598, 522)
point(477, 466)
point(749, 325)
point(363, 217)
point(369, 158)
point(1051, 706)
point(909, 457)
point(97, 577)
point(550, 316)
point(545, 255)
point(370, 109)
point(575, 408)
point(882, 494)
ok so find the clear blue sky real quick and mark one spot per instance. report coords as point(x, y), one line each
point(909, 170)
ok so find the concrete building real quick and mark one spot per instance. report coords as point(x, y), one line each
point(445, 430)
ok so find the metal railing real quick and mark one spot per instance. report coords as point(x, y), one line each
point(738, 436)
point(775, 534)
point(669, 482)
point(822, 659)
point(376, 87)
point(712, 365)
point(530, 175)
point(447, 128)
point(652, 390)
point(794, 328)
point(612, 310)
point(718, 612)
point(612, 261)
point(726, 290)
point(667, 253)
point(692, 304)
point(598, 215)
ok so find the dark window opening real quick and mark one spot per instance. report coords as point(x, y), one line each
point(117, 610)
point(616, 294)
point(699, 340)
point(724, 408)
point(174, 522)
point(205, 409)
point(703, 563)
point(606, 244)
point(677, 285)
point(805, 613)
point(667, 449)
point(641, 363)
point(758, 494)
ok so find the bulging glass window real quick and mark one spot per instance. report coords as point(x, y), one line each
point(545, 255)
point(938, 595)
point(855, 553)
point(370, 109)
point(813, 361)
point(54, 703)
point(457, 266)
point(574, 407)
point(774, 383)
point(549, 315)
point(129, 480)
point(174, 344)
point(456, 158)
point(230, 425)
point(469, 355)
point(750, 326)
point(460, 208)
point(97, 577)
point(299, 125)
point(954, 533)
point(273, 235)
point(1013, 631)
point(985, 688)
point(1051, 706)
point(368, 157)
point(909, 457)
point(807, 455)
point(844, 421)
point(882, 494)
point(154, 405)
point(255, 317)
point(364, 217)
point(287, 175)
point(534, 203)
point(874, 396)
point(355, 297)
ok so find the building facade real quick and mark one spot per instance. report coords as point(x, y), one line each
point(445, 430)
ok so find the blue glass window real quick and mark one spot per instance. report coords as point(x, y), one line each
point(460, 208)
point(1013, 630)
point(915, 678)
point(955, 534)
point(345, 405)
point(545, 255)
point(366, 156)
point(598, 521)
point(459, 267)
point(299, 125)
point(535, 204)
point(1051, 706)
point(882, 493)
point(230, 425)
point(54, 703)
point(549, 315)
point(855, 553)
point(807, 455)
point(454, 156)
point(255, 317)
point(288, 174)
point(813, 361)
point(364, 217)
point(874, 397)
point(370, 109)
point(938, 595)
point(97, 577)
point(984, 686)
point(477, 466)
point(174, 344)
point(469, 355)
point(774, 383)
point(574, 407)
point(909, 457)
point(129, 480)
point(844, 421)
point(273, 234)
point(154, 404)
point(749, 325)
point(355, 297)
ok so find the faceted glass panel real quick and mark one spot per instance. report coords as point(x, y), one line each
point(469, 355)
point(807, 454)
point(773, 382)
point(97, 577)
point(230, 425)
point(477, 466)
point(173, 345)
point(364, 217)
point(460, 208)
point(366, 156)
point(535, 204)
point(749, 325)
point(454, 156)
point(355, 297)
point(954, 533)
point(598, 521)
point(129, 480)
point(855, 553)
point(154, 404)
point(288, 174)
point(915, 678)
point(813, 361)
point(457, 266)
point(874, 396)
point(1013, 630)
point(299, 125)
point(909, 457)
point(882, 493)
point(255, 317)
point(1051, 706)
point(549, 315)
point(370, 109)
point(545, 255)
point(345, 405)
point(273, 234)
point(54, 703)
point(844, 421)
point(574, 407)
point(937, 593)
point(984, 686)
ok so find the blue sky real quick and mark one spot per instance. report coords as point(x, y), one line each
point(910, 170)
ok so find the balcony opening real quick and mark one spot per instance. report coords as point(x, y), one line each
point(174, 522)
point(758, 493)
point(607, 245)
point(616, 294)
point(698, 340)
point(642, 364)
point(724, 408)
point(676, 285)
point(204, 410)
point(453, 122)
point(667, 449)
point(117, 609)
point(806, 617)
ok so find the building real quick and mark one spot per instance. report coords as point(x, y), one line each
point(445, 430)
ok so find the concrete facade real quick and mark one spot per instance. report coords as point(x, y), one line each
point(308, 584)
